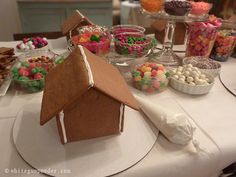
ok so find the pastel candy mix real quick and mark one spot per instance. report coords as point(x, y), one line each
point(202, 37)
point(32, 43)
point(224, 45)
point(200, 8)
point(150, 77)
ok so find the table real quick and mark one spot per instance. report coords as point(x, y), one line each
point(214, 115)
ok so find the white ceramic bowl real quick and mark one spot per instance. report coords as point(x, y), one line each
point(195, 61)
point(192, 89)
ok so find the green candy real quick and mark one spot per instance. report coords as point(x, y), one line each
point(167, 74)
point(23, 78)
point(95, 38)
point(25, 64)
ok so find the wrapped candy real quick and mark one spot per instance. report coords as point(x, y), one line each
point(202, 36)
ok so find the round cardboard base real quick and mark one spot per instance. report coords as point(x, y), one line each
point(41, 148)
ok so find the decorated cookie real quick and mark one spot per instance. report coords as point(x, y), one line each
point(150, 77)
point(224, 45)
point(202, 37)
point(32, 43)
point(177, 7)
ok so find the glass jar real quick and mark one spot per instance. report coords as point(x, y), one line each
point(202, 36)
point(224, 45)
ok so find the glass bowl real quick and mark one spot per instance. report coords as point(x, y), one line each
point(28, 74)
point(200, 8)
point(127, 28)
point(177, 7)
point(150, 77)
point(95, 38)
point(133, 44)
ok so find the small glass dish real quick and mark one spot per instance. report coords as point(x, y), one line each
point(95, 38)
point(30, 86)
point(127, 28)
point(150, 77)
point(28, 74)
point(133, 44)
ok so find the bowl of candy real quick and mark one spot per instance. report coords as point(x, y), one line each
point(96, 39)
point(177, 7)
point(152, 6)
point(29, 73)
point(204, 64)
point(150, 77)
point(127, 28)
point(200, 8)
point(189, 79)
point(32, 44)
point(133, 44)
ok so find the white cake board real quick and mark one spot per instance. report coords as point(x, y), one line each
point(41, 148)
point(227, 77)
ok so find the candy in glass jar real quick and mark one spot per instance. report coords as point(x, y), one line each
point(202, 36)
point(224, 45)
point(152, 5)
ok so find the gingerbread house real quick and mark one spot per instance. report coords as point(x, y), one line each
point(76, 20)
point(87, 97)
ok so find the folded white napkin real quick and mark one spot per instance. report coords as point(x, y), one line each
point(176, 127)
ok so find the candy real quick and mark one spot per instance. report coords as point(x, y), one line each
point(224, 45)
point(152, 5)
point(200, 8)
point(148, 77)
point(195, 77)
point(133, 44)
point(177, 7)
point(32, 43)
point(202, 36)
point(95, 38)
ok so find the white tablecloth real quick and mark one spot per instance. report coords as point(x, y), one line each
point(214, 114)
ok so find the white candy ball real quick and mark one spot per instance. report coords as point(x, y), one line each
point(182, 80)
point(182, 77)
point(179, 73)
point(189, 65)
point(190, 79)
point(202, 76)
point(27, 47)
point(186, 73)
point(22, 46)
point(29, 43)
point(176, 76)
point(192, 83)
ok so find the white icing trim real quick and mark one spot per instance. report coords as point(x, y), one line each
point(90, 74)
point(80, 13)
point(121, 116)
point(61, 117)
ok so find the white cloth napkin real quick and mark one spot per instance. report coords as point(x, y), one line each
point(176, 127)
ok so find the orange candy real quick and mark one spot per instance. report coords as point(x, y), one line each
point(152, 5)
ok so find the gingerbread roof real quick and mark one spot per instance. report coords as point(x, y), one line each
point(75, 20)
point(69, 80)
